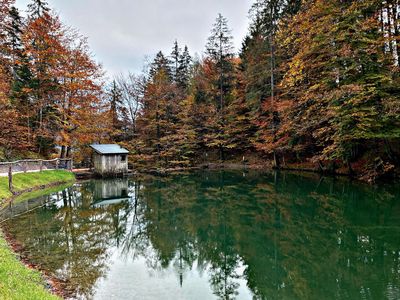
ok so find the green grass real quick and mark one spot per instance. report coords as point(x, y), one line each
point(24, 181)
point(17, 281)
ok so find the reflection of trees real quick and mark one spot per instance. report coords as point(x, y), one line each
point(318, 239)
point(135, 241)
point(286, 236)
point(69, 238)
point(182, 231)
point(295, 237)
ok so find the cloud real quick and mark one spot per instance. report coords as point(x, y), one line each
point(121, 33)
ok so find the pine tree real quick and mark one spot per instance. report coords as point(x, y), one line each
point(220, 73)
point(184, 68)
point(175, 56)
point(21, 74)
point(160, 63)
point(14, 31)
point(38, 8)
point(20, 64)
point(13, 136)
point(116, 110)
point(5, 24)
point(220, 50)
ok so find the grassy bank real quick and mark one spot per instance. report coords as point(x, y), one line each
point(31, 181)
point(16, 280)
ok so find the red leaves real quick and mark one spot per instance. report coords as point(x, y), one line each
point(59, 99)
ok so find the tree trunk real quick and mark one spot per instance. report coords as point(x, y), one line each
point(221, 153)
point(389, 16)
point(396, 24)
point(382, 23)
point(277, 163)
point(62, 154)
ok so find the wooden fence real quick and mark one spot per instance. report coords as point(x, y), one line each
point(33, 165)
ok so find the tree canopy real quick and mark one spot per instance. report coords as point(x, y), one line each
point(315, 83)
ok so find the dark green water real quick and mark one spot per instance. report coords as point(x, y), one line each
point(217, 235)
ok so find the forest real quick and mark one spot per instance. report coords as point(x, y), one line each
point(316, 85)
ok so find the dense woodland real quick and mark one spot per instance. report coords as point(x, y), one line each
point(315, 84)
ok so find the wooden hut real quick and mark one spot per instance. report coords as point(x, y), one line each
point(110, 160)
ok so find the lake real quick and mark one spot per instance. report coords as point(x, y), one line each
point(216, 235)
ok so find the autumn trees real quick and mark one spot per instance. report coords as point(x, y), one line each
point(344, 79)
point(52, 86)
point(316, 81)
point(261, 64)
point(9, 138)
point(190, 107)
point(161, 120)
point(81, 113)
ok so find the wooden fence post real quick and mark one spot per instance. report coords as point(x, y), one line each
point(41, 165)
point(10, 179)
point(57, 164)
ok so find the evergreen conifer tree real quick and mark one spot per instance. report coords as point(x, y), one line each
point(184, 68)
point(175, 56)
point(37, 8)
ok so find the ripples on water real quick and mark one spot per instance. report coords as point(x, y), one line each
point(216, 235)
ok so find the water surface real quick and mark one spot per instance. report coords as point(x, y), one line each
point(216, 235)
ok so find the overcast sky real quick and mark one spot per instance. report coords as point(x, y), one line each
point(123, 32)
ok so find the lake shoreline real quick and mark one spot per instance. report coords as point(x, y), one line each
point(365, 177)
point(54, 179)
point(52, 285)
point(7, 201)
point(13, 261)
point(56, 286)
point(287, 208)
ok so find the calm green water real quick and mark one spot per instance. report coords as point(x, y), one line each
point(217, 235)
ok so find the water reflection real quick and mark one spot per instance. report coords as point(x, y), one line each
point(221, 235)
